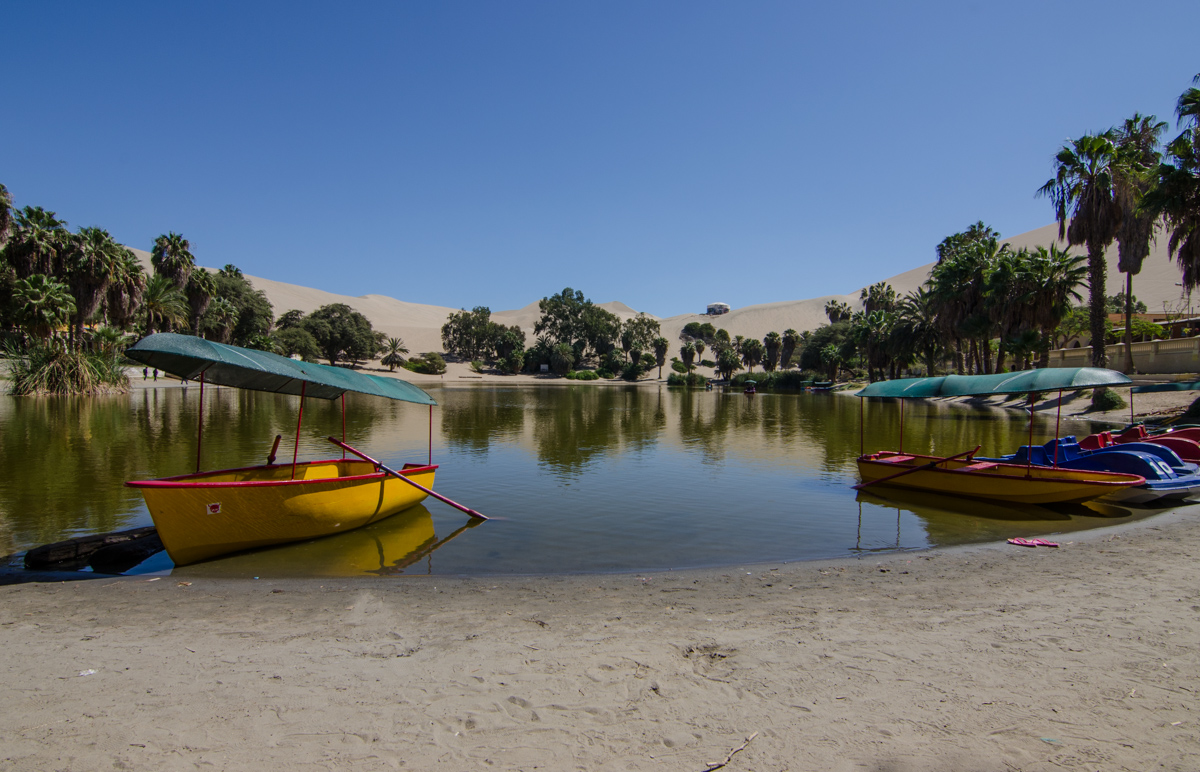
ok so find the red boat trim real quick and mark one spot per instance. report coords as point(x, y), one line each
point(182, 481)
point(1130, 477)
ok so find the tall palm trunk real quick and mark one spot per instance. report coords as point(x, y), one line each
point(958, 356)
point(1128, 324)
point(1096, 302)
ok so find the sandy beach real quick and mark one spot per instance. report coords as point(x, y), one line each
point(993, 657)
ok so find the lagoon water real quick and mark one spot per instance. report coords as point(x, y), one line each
point(579, 478)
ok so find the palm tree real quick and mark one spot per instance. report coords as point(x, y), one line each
point(837, 311)
point(917, 324)
point(37, 242)
point(831, 357)
point(125, 291)
point(727, 362)
point(1083, 192)
point(771, 345)
point(878, 297)
point(6, 215)
point(958, 281)
point(699, 343)
point(201, 288)
point(393, 353)
point(1057, 277)
point(661, 347)
point(1177, 196)
point(163, 304)
point(688, 354)
point(92, 261)
point(790, 339)
point(752, 352)
point(1137, 145)
point(172, 258)
point(221, 317)
point(43, 305)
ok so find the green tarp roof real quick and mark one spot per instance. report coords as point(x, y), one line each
point(1021, 382)
point(188, 356)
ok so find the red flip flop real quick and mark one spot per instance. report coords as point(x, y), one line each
point(1022, 542)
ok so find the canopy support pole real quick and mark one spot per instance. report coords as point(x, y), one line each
point(1029, 455)
point(430, 435)
point(1057, 419)
point(200, 428)
point(901, 426)
point(299, 418)
point(343, 424)
point(1131, 405)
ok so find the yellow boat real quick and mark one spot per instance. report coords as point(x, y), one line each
point(990, 480)
point(201, 516)
point(208, 514)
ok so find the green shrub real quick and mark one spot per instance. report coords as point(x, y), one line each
point(707, 363)
point(50, 369)
point(780, 380)
point(692, 380)
point(430, 364)
point(585, 375)
point(476, 366)
point(679, 367)
point(1107, 399)
point(603, 372)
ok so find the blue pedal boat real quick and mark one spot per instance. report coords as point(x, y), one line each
point(1168, 477)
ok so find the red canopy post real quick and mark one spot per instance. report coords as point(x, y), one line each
point(1057, 419)
point(431, 435)
point(200, 428)
point(343, 424)
point(299, 418)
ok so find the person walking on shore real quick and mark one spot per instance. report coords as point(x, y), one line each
point(145, 373)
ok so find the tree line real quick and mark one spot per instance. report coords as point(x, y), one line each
point(571, 333)
point(71, 301)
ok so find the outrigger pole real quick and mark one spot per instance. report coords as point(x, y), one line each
point(413, 483)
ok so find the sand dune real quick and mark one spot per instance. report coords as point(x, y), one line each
point(420, 325)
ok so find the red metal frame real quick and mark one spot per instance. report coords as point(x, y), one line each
point(299, 418)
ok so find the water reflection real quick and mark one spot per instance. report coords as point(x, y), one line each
point(401, 544)
point(582, 477)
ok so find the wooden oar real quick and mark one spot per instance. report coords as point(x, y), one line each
point(414, 484)
point(923, 467)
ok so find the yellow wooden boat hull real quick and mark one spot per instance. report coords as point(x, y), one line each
point(994, 481)
point(201, 516)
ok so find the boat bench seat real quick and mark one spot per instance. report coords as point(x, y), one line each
point(978, 467)
point(895, 459)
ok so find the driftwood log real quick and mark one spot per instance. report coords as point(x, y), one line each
point(106, 553)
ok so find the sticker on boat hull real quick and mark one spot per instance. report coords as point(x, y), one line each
point(214, 509)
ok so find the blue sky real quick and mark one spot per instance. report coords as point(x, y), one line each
point(665, 154)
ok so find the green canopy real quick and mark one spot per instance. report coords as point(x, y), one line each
point(1021, 382)
point(188, 357)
